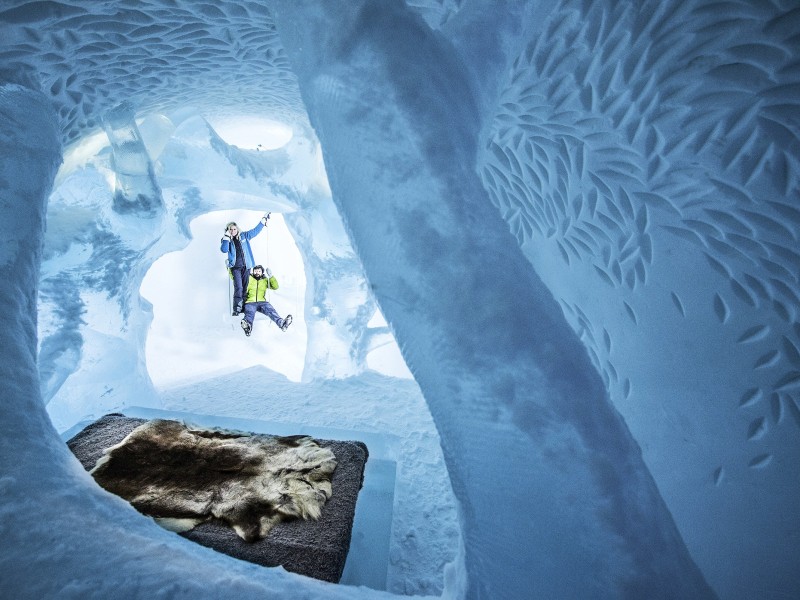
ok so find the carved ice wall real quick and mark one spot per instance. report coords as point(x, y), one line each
point(90, 57)
point(646, 158)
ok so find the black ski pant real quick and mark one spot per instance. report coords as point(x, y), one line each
point(241, 275)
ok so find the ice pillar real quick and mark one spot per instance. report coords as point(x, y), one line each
point(556, 500)
point(137, 190)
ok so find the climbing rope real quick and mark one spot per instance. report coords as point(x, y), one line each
point(230, 302)
point(269, 265)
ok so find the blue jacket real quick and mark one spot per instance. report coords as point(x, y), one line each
point(244, 237)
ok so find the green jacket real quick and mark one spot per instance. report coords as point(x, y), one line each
point(257, 288)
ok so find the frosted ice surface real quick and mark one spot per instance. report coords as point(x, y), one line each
point(644, 158)
point(136, 187)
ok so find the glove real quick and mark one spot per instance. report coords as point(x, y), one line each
point(227, 236)
point(265, 218)
point(269, 272)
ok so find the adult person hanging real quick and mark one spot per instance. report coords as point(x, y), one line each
point(236, 244)
point(260, 281)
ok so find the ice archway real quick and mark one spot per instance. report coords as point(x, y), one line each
point(644, 158)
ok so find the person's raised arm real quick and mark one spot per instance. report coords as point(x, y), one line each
point(255, 230)
point(225, 241)
point(273, 283)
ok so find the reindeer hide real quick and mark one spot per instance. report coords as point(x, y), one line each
point(183, 476)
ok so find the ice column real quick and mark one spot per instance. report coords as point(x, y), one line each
point(137, 190)
point(555, 499)
point(29, 157)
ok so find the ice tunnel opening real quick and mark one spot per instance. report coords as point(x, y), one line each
point(193, 336)
point(195, 158)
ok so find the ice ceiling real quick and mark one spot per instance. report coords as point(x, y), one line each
point(645, 158)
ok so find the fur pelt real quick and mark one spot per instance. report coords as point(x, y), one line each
point(183, 476)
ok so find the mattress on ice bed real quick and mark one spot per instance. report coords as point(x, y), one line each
point(313, 548)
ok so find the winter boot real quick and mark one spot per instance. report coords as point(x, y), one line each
point(247, 327)
point(284, 323)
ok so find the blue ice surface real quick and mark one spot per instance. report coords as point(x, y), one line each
point(368, 557)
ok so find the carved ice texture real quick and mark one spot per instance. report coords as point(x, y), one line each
point(642, 155)
point(647, 162)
